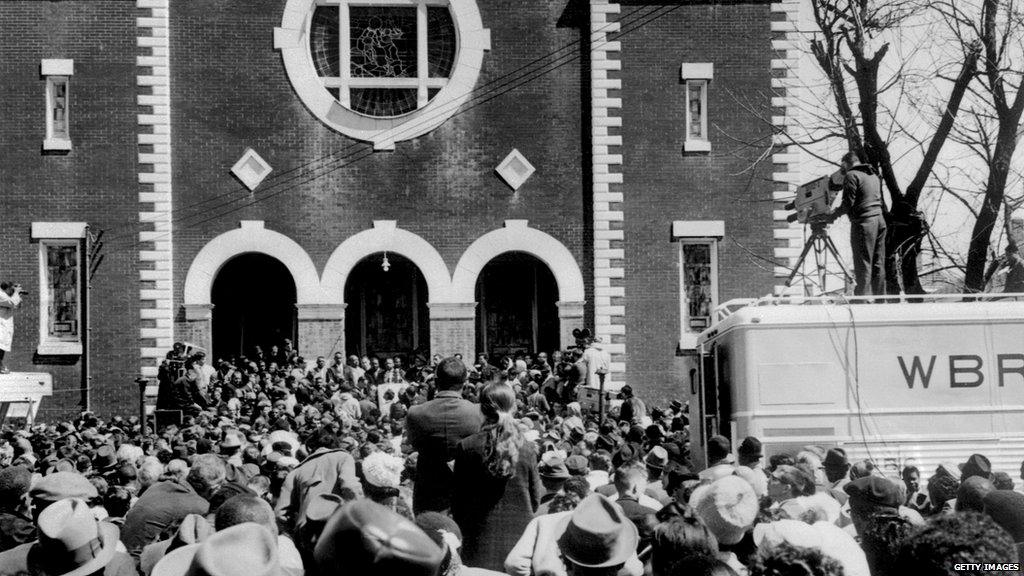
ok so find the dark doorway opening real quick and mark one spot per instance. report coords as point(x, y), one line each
point(387, 312)
point(516, 311)
point(253, 305)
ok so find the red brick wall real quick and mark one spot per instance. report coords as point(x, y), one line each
point(230, 91)
point(663, 184)
point(94, 183)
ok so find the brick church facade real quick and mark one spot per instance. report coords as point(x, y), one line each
point(405, 177)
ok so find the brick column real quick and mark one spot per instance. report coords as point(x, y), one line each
point(570, 317)
point(453, 329)
point(198, 327)
point(321, 330)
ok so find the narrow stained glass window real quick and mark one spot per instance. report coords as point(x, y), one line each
point(698, 285)
point(696, 110)
point(62, 291)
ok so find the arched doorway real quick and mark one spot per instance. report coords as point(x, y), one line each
point(253, 300)
point(516, 311)
point(386, 312)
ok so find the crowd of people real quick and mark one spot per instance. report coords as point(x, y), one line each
point(273, 466)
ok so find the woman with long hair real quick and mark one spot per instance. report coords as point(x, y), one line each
point(497, 488)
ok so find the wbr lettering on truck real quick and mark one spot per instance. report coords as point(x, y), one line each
point(964, 370)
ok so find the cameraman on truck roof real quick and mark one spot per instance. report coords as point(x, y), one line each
point(862, 203)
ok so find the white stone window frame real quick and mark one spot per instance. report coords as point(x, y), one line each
point(472, 39)
point(57, 72)
point(58, 234)
point(689, 233)
point(699, 74)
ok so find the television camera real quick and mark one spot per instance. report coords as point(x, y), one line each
point(813, 202)
point(813, 206)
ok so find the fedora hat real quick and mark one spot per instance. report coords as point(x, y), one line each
point(242, 550)
point(231, 440)
point(71, 541)
point(597, 534)
point(60, 485)
point(552, 467)
point(105, 459)
point(365, 538)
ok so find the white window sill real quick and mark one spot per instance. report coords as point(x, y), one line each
point(688, 341)
point(59, 349)
point(57, 144)
point(697, 146)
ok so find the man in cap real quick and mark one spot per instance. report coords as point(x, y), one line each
point(837, 473)
point(976, 465)
point(71, 543)
point(434, 430)
point(633, 409)
point(871, 496)
point(750, 452)
point(553, 474)
point(720, 459)
point(597, 538)
point(656, 461)
point(16, 525)
point(328, 469)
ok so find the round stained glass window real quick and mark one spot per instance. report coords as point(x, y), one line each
point(383, 61)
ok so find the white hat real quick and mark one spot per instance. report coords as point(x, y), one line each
point(383, 470)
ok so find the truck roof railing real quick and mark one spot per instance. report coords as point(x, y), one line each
point(723, 311)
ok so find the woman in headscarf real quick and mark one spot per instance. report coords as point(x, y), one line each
point(497, 487)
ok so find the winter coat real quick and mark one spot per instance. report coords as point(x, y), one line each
point(492, 512)
point(434, 430)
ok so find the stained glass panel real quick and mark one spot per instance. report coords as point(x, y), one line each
point(696, 128)
point(383, 42)
point(440, 42)
point(323, 41)
point(62, 291)
point(698, 285)
point(383, 102)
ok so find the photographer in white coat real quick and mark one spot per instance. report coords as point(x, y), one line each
point(10, 299)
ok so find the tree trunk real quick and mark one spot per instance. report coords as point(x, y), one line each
point(995, 189)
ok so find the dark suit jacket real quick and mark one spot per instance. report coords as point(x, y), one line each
point(434, 429)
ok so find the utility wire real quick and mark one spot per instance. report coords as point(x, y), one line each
point(632, 18)
point(538, 73)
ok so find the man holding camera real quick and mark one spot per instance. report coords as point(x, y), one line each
point(10, 299)
point(862, 203)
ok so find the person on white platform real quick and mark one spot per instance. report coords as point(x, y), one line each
point(10, 299)
point(595, 361)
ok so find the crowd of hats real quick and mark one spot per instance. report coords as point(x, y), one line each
point(66, 487)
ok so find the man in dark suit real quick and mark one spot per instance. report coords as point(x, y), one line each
point(434, 429)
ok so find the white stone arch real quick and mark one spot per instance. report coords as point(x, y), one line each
point(251, 237)
point(517, 236)
point(386, 236)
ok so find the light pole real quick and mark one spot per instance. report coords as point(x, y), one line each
point(143, 383)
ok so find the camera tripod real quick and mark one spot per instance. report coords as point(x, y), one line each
point(821, 243)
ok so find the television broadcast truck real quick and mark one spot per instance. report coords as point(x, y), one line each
point(925, 381)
